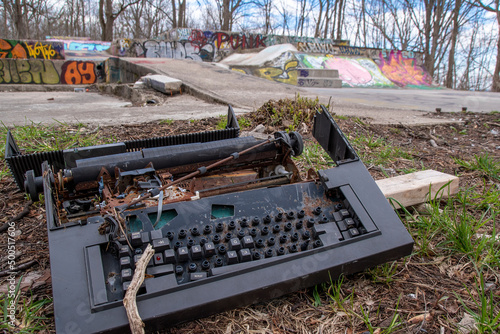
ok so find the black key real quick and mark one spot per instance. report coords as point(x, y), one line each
point(337, 216)
point(209, 249)
point(235, 244)
point(145, 237)
point(124, 251)
point(353, 232)
point(197, 276)
point(161, 244)
point(196, 252)
point(169, 256)
point(344, 213)
point(158, 259)
point(342, 226)
point(231, 257)
point(349, 222)
point(127, 274)
point(138, 256)
point(247, 242)
point(161, 270)
point(183, 254)
point(136, 239)
point(125, 262)
point(125, 286)
point(245, 255)
point(156, 234)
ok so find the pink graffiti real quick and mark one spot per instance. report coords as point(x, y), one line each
point(350, 72)
point(404, 71)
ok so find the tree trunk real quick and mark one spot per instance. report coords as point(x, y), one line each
point(451, 57)
point(226, 15)
point(495, 87)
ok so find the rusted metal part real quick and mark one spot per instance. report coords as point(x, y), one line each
point(254, 184)
point(218, 180)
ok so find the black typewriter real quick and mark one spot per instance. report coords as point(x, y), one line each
point(230, 219)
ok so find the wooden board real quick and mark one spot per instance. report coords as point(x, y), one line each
point(412, 189)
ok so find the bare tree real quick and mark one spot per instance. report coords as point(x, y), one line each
point(494, 7)
point(108, 15)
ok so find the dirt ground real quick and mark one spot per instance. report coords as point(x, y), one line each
point(419, 284)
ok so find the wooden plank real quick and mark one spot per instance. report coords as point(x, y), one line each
point(412, 189)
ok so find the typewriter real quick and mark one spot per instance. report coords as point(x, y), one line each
point(230, 220)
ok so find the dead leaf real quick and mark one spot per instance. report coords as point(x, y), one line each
point(419, 318)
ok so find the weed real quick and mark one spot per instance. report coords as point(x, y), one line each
point(484, 164)
point(316, 296)
point(244, 122)
point(315, 157)
point(384, 273)
point(167, 121)
point(28, 316)
point(38, 137)
point(487, 316)
point(222, 123)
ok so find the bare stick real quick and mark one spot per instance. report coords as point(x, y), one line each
point(134, 319)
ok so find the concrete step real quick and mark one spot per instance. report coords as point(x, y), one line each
point(317, 73)
point(319, 82)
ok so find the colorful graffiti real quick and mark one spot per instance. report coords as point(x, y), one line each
point(354, 72)
point(78, 72)
point(37, 71)
point(191, 44)
point(28, 71)
point(404, 71)
point(84, 44)
point(30, 49)
point(283, 69)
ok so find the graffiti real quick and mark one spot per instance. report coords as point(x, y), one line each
point(88, 46)
point(28, 71)
point(347, 50)
point(323, 83)
point(7, 50)
point(404, 71)
point(354, 72)
point(44, 50)
point(238, 41)
point(78, 72)
point(30, 50)
point(124, 45)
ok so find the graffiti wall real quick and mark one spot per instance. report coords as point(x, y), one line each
point(38, 71)
point(354, 72)
point(404, 71)
point(282, 69)
point(82, 44)
point(20, 49)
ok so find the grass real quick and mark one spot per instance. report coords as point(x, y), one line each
point(486, 312)
point(38, 137)
point(484, 164)
point(243, 122)
point(29, 312)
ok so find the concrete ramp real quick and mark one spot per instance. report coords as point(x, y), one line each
point(279, 63)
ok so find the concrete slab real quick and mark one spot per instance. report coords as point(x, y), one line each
point(163, 84)
point(22, 108)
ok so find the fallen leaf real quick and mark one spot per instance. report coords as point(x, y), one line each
point(420, 318)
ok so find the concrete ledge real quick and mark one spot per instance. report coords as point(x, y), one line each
point(163, 83)
point(319, 82)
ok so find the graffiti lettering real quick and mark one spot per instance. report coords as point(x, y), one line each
point(237, 41)
point(87, 46)
point(347, 50)
point(37, 49)
point(31, 71)
point(78, 72)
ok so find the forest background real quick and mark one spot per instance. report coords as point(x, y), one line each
point(459, 39)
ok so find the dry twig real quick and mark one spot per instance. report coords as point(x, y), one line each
point(134, 319)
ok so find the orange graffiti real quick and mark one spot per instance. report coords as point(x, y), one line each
point(17, 52)
point(404, 71)
point(78, 72)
